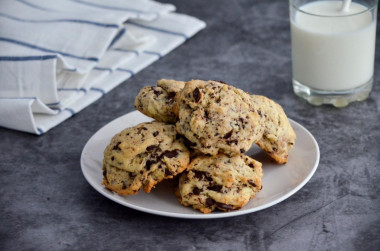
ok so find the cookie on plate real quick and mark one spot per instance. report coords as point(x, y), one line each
point(279, 136)
point(219, 182)
point(143, 155)
point(158, 101)
point(218, 118)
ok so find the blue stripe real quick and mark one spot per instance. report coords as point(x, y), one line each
point(117, 37)
point(158, 29)
point(27, 58)
point(72, 89)
point(13, 41)
point(35, 6)
point(61, 21)
point(70, 110)
point(40, 131)
point(153, 53)
point(53, 104)
point(18, 98)
point(110, 7)
point(126, 70)
point(98, 90)
point(102, 69)
point(126, 50)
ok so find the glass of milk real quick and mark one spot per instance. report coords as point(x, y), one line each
point(333, 50)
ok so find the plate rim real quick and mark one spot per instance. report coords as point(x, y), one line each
point(116, 198)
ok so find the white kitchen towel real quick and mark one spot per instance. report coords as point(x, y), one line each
point(57, 57)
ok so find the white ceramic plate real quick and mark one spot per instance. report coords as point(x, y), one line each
point(279, 181)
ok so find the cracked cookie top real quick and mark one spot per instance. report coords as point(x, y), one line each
point(218, 118)
point(143, 155)
point(219, 182)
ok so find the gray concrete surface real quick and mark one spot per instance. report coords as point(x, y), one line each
point(46, 204)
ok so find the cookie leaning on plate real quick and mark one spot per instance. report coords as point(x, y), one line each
point(278, 137)
point(219, 182)
point(218, 118)
point(143, 155)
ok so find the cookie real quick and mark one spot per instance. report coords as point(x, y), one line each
point(279, 136)
point(219, 182)
point(158, 101)
point(218, 118)
point(143, 155)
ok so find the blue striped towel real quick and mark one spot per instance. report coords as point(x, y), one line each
point(57, 57)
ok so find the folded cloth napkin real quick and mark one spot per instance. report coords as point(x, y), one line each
point(57, 57)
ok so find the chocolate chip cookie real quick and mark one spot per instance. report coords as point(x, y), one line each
point(279, 136)
point(218, 118)
point(158, 101)
point(219, 182)
point(143, 155)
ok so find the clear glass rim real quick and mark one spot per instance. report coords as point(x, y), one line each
point(342, 16)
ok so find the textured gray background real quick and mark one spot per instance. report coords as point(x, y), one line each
point(46, 204)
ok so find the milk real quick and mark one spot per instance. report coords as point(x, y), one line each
point(333, 53)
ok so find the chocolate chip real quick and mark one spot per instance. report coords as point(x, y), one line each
point(171, 95)
point(171, 154)
point(105, 173)
point(201, 176)
point(216, 188)
point(229, 142)
point(196, 95)
point(218, 100)
point(224, 206)
point(148, 163)
point(197, 191)
point(124, 186)
point(227, 135)
point(259, 112)
point(167, 172)
point(198, 174)
point(209, 202)
point(117, 147)
point(251, 165)
point(206, 115)
point(155, 134)
point(151, 148)
point(112, 158)
point(251, 183)
point(156, 92)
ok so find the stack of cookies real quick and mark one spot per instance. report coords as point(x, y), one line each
point(201, 131)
